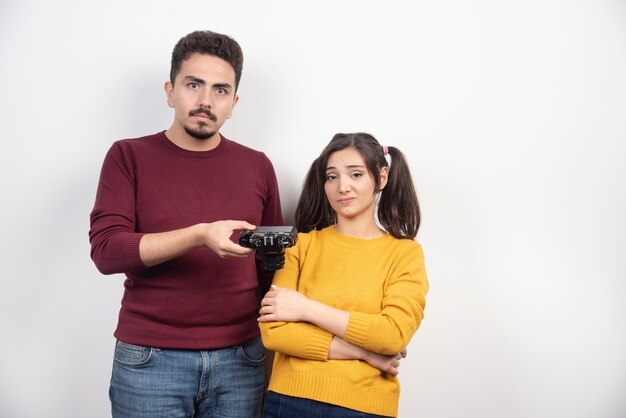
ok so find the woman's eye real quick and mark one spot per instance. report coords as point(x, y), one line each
point(357, 174)
point(331, 177)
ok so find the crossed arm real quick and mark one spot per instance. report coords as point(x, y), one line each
point(290, 306)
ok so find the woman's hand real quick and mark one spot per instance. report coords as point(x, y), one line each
point(340, 349)
point(387, 364)
point(286, 305)
point(280, 304)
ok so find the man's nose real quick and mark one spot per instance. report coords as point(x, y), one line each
point(204, 100)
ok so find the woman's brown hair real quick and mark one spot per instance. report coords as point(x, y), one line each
point(398, 208)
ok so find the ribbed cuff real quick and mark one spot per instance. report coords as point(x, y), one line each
point(318, 344)
point(131, 252)
point(358, 331)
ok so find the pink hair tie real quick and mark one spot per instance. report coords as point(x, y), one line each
point(385, 150)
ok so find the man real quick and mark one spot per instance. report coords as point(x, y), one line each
point(188, 341)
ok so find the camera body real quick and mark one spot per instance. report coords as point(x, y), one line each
point(270, 242)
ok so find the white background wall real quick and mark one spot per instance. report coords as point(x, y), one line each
point(512, 114)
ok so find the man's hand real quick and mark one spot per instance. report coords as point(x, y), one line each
point(216, 236)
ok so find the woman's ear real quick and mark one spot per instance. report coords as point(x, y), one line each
point(384, 175)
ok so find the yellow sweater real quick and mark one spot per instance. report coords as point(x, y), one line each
point(382, 283)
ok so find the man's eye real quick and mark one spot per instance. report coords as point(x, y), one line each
point(192, 85)
point(222, 91)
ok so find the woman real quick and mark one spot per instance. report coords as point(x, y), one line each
point(351, 295)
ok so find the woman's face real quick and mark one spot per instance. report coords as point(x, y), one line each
point(349, 187)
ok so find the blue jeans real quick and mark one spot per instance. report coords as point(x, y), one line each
point(282, 406)
point(150, 382)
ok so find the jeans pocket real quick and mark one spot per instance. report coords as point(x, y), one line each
point(131, 355)
point(253, 351)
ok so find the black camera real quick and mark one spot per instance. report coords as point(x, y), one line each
point(270, 242)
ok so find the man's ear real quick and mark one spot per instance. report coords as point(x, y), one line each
point(235, 100)
point(169, 91)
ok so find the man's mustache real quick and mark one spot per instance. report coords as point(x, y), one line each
point(205, 111)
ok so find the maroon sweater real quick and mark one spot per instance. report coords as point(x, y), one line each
point(198, 300)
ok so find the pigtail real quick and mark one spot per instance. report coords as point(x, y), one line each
point(398, 208)
point(313, 211)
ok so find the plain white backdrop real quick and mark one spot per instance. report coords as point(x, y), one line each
point(511, 113)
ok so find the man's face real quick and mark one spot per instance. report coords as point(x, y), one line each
point(203, 95)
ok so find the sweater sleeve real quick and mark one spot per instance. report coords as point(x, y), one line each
point(297, 339)
point(114, 242)
point(390, 331)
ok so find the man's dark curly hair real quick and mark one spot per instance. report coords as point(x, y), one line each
point(210, 43)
